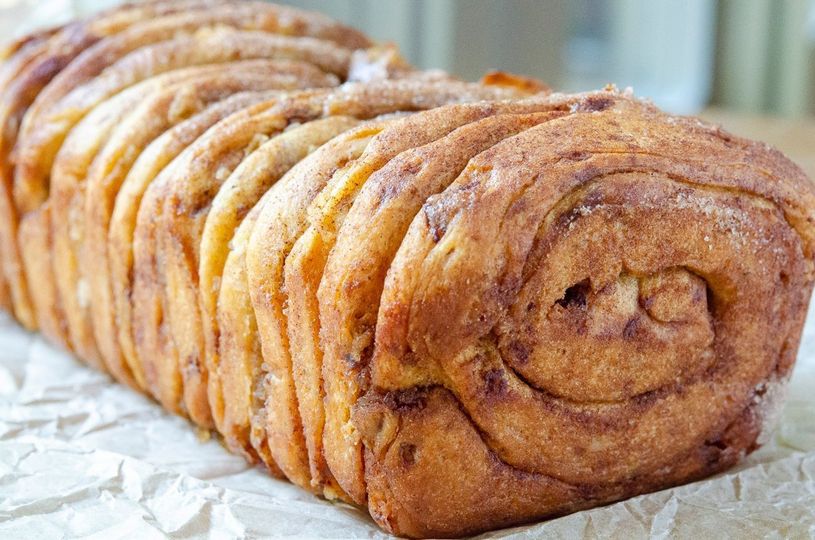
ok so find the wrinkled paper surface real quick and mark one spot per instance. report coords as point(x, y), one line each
point(81, 456)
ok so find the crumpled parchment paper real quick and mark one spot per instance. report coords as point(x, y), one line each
point(81, 456)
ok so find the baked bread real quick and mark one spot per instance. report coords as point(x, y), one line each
point(44, 68)
point(121, 229)
point(460, 305)
point(153, 116)
point(80, 150)
point(31, 63)
point(605, 304)
point(171, 242)
point(162, 60)
point(281, 212)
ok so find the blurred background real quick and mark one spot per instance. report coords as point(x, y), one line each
point(733, 61)
point(754, 55)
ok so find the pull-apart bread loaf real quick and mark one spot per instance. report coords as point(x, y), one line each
point(460, 305)
point(607, 303)
point(46, 69)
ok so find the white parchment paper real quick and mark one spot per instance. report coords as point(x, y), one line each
point(82, 457)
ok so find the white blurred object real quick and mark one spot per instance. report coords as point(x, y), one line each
point(664, 50)
point(18, 17)
point(87, 7)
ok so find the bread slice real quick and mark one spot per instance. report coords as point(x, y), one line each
point(36, 60)
point(182, 230)
point(153, 116)
point(350, 273)
point(254, 270)
point(16, 57)
point(120, 236)
point(239, 193)
point(235, 382)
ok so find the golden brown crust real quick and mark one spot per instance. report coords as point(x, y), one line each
point(210, 159)
point(40, 57)
point(186, 201)
point(70, 169)
point(49, 120)
point(35, 241)
point(239, 193)
point(255, 270)
point(166, 20)
point(122, 226)
point(607, 232)
point(282, 410)
point(204, 47)
point(464, 314)
point(133, 134)
point(361, 253)
point(410, 459)
point(236, 377)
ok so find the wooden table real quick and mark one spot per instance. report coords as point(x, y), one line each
point(795, 137)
